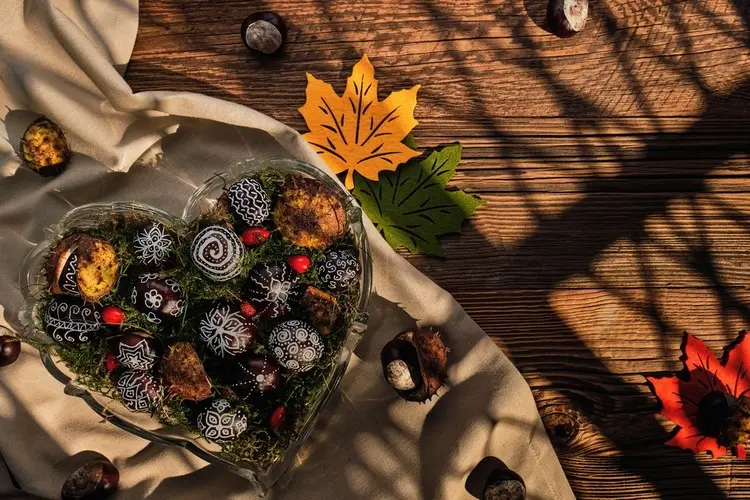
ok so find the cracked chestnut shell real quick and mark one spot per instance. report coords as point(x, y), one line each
point(83, 265)
point(309, 214)
point(415, 363)
point(44, 148)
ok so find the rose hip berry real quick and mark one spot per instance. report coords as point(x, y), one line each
point(113, 315)
point(255, 236)
point(110, 362)
point(247, 309)
point(300, 263)
point(277, 418)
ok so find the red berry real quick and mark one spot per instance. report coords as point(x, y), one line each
point(10, 348)
point(255, 235)
point(110, 362)
point(113, 315)
point(300, 263)
point(247, 309)
point(277, 418)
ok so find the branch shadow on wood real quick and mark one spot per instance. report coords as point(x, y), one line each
point(589, 221)
point(617, 408)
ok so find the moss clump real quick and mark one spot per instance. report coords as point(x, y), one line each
point(299, 393)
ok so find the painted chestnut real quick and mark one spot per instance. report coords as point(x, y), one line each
point(567, 17)
point(264, 32)
point(414, 363)
point(136, 351)
point(256, 375)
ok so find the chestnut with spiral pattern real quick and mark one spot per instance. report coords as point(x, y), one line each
point(217, 252)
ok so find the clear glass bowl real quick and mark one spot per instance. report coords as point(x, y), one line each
point(33, 282)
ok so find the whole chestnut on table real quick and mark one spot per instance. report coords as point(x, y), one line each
point(264, 32)
point(10, 349)
point(567, 17)
point(94, 480)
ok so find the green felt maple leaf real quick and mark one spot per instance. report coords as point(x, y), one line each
point(411, 207)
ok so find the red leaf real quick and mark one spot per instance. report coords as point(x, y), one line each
point(680, 395)
point(737, 361)
point(690, 438)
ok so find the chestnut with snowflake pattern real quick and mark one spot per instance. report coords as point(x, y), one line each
point(226, 330)
point(153, 245)
point(136, 352)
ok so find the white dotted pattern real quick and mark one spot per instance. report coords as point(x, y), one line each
point(296, 345)
point(138, 390)
point(217, 252)
point(338, 270)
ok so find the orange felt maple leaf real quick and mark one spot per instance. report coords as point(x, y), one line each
point(696, 399)
point(356, 132)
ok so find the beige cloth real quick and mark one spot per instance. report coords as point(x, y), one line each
point(63, 59)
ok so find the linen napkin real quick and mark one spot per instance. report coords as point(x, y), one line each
point(64, 59)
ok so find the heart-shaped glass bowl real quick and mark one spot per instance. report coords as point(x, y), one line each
point(33, 282)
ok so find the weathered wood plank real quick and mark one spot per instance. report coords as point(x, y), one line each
point(614, 164)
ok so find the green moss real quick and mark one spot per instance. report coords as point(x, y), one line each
point(299, 393)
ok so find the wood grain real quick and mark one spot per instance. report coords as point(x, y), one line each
point(614, 164)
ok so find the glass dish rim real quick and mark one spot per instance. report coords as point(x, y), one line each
point(31, 278)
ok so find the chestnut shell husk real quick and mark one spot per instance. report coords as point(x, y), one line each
point(426, 356)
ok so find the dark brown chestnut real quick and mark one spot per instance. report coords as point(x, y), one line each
point(10, 349)
point(414, 363)
point(504, 484)
point(93, 480)
point(264, 32)
point(567, 17)
point(256, 374)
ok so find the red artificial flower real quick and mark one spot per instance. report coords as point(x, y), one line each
point(689, 399)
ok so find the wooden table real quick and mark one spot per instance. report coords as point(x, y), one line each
point(614, 164)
